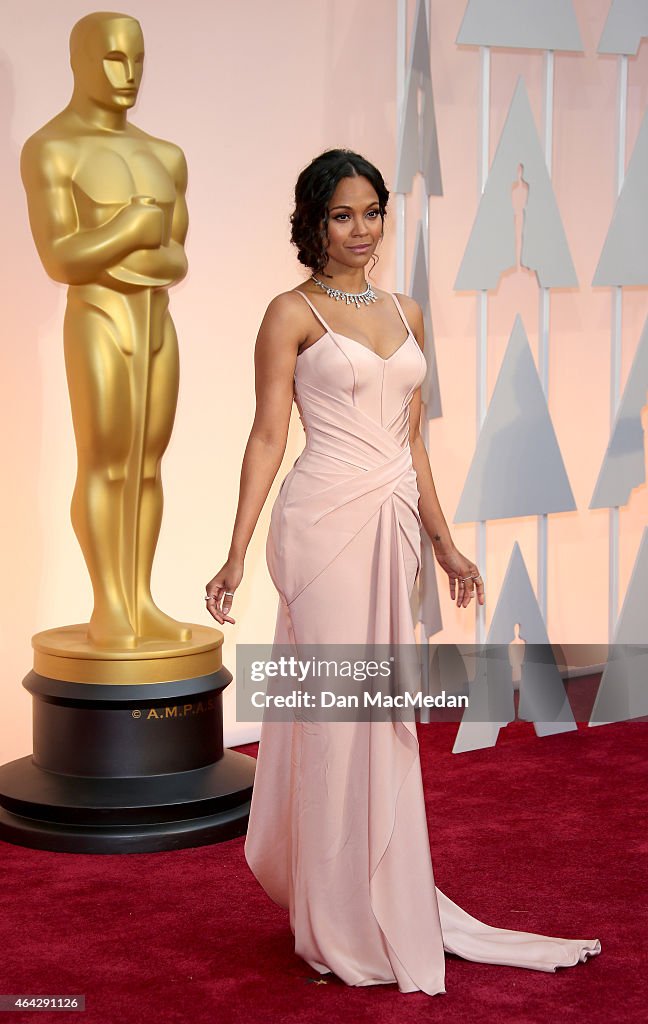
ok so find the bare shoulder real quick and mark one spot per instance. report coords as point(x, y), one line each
point(413, 314)
point(284, 326)
point(289, 311)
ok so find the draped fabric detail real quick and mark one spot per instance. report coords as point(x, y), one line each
point(324, 506)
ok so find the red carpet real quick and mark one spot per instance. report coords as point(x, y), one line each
point(542, 835)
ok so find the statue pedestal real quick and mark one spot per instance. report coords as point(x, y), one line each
point(128, 749)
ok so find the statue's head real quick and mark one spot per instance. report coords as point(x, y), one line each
point(107, 58)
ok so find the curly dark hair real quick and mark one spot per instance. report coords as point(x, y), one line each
point(315, 186)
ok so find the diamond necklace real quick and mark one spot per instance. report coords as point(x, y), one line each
point(350, 298)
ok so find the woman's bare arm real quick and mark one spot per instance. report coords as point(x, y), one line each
point(429, 508)
point(458, 567)
point(280, 335)
point(275, 357)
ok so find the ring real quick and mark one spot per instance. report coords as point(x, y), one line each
point(228, 593)
point(209, 597)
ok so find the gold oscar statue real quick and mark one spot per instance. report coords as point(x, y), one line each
point(108, 214)
point(128, 750)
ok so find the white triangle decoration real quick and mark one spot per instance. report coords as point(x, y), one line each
point(491, 247)
point(624, 258)
point(418, 147)
point(624, 464)
point(420, 291)
point(517, 468)
point(521, 24)
point(623, 690)
point(625, 27)
point(543, 698)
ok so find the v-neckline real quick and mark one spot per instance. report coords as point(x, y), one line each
point(383, 359)
point(333, 334)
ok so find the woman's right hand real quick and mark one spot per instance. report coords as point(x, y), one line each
point(220, 590)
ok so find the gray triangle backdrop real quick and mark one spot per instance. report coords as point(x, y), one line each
point(420, 290)
point(624, 259)
point(626, 25)
point(623, 691)
point(543, 699)
point(517, 468)
point(624, 464)
point(523, 24)
point(491, 246)
point(418, 148)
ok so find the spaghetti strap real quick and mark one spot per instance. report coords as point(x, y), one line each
point(400, 310)
point(326, 326)
point(315, 311)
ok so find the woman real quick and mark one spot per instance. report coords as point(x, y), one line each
point(337, 831)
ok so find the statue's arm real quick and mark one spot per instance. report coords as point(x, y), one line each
point(69, 253)
point(177, 165)
point(169, 262)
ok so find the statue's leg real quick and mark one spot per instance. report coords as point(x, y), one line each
point(98, 381)
point(163, 397)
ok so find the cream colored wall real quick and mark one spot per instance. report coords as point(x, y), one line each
point(252, 92)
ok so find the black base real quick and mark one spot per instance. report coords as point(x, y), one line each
point(126, 769)
point(69, 814)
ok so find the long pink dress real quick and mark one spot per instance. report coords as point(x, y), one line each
point(338, 832)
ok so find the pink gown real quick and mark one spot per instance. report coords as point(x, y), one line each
point(338, 832)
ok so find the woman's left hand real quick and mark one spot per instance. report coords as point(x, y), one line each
point(458, 567)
